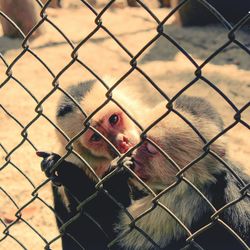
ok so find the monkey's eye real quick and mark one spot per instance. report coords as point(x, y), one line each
point(95, 137)
point(113, 119)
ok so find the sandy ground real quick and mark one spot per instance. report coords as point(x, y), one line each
point(162, 62)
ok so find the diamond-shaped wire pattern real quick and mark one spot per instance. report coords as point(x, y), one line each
point(11, 198)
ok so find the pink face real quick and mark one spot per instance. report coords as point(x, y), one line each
point(152, 167)
point(117, 128)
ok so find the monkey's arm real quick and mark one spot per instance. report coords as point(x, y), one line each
point(67, 174)
point(99, 213)
point(79, 184)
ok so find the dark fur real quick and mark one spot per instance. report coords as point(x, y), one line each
point(93, 226)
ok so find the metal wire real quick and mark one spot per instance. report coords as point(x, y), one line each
point(134, 66)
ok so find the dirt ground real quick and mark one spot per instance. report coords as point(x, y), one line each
point(162, 62)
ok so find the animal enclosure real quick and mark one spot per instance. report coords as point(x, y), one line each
point(141, 50)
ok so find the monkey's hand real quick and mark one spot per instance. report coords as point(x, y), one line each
point(47, 164)
point(120, 166)
point(66, 173)
point(117, 180)
point(118, 170)
point(124, 172)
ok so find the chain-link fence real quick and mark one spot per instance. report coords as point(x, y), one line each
point(24, 121)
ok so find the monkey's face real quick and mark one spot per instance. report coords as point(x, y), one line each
point(179, 146)
point(115, 126)
point(152, 167)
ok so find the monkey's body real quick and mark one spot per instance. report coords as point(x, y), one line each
point(93, 226)
point(195, 213)
point(105, 212)
point(208, 175)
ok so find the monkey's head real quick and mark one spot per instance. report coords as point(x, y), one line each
point(110, 121)
point(180, 145)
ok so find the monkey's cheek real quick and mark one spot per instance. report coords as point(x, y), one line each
point(141, 172)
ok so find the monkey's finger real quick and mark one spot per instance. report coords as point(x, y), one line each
point(42, 154)
point(128, 162)
point(48, 162)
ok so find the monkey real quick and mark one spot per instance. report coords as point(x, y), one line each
point(110, 122)
point(216, 182)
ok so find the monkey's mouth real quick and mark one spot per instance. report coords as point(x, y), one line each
point(139, 170)
point(140, 158)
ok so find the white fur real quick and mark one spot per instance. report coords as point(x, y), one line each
point(158, 224)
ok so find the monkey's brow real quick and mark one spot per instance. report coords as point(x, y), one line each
point(98, 123)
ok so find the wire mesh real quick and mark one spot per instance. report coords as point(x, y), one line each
point(133, 66)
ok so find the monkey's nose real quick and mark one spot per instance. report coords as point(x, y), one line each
point(123, 147)
point(123, 143)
